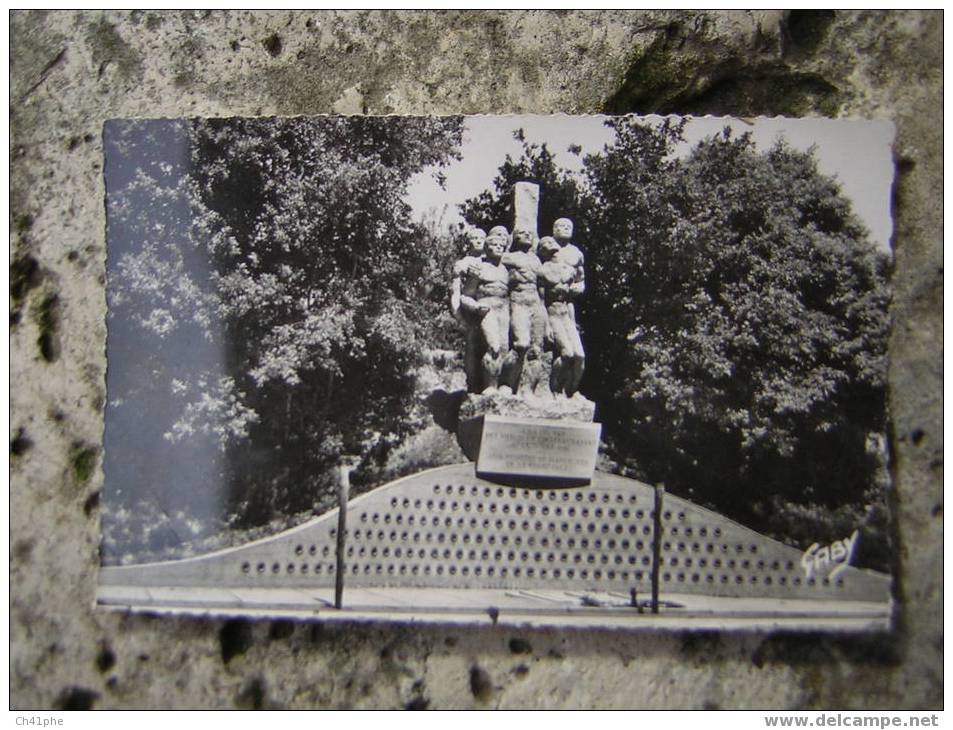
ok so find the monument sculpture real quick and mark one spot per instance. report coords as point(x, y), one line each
point(541, 289)
point(527, 315)
point(524, 416)
point(569, 361)
point(556, 281)
point(469, 317)
point(485, 298)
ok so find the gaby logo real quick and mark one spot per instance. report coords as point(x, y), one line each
point(831, 559)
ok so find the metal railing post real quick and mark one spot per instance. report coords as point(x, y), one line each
point(344, 486)
point(657, 544)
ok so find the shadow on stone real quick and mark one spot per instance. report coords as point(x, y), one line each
point(235, 639)
point(77, 698)
point(445, 407)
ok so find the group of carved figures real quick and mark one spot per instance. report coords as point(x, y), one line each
point(514, 295)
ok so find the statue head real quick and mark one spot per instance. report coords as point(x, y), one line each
point(562, 230)
point(496, 244)
point(547, 247)
point(524, 240)
point(501, 233)
point(476, 237)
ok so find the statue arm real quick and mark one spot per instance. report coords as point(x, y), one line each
point(578, 285)
point(455, 296)
point(472, 306)
point(462, 287)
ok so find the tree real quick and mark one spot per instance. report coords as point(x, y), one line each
point(741, 311)
point(536, 164)
point(271, 271)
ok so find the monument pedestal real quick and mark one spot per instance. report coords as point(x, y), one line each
point(534, 442)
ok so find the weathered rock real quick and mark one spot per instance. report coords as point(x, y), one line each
point(576, 408)
point(475, 406)
point(71, 70)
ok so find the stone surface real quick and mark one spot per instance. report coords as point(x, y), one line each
point(507, 404)
point(526, 207)
point(71, 70)
point(537, 452)
point(474, 407)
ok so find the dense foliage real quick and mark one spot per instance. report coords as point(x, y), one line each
point(282, 255)
point(559, 196)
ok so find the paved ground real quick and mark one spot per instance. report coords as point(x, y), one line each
point(570, 609)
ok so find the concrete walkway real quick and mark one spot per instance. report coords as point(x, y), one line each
point(522, 608)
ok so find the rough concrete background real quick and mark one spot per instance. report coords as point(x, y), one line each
point(72, 70)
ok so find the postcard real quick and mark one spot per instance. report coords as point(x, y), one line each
point(580, 371)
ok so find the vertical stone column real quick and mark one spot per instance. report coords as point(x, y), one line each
point(526, 207)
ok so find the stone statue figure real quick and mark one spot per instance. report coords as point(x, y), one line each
point(484, 296)
point(527, 315)
point(516, 298)
point(564, 279)
point(473, 354)
point(525, 357)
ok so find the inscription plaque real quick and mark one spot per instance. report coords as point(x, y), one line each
point(538, 451)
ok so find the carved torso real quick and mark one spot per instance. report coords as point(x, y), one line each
point(524, 269)
point(491, 281)
point(555, 279)
point(570, 255)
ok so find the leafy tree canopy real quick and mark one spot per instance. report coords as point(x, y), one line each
point(283, 251)
point(537, 164)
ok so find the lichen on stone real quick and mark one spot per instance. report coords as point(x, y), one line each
point(108, 46)
point(48, 320)
point(83, 461)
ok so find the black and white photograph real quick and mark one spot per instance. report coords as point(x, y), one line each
point(590, 371)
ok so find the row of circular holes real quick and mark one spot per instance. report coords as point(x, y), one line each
point(591, 528)
point(514, 525)
point(752, 579)
point(570, 543)
point(528, 494)
point(498, 555)
point(544, 542)
point(490, 571)
point(435, 554)
point(504, 508)
point(525, 526)
point(511, 556)
point(551, 527)
point(556, 573)
point(448, 522)
point(442, 505)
